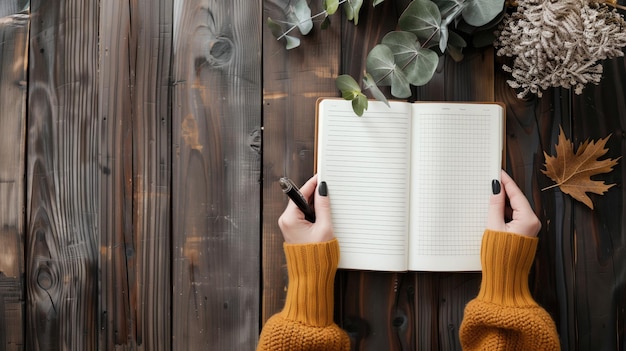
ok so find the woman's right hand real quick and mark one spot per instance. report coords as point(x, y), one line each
point(296, 229)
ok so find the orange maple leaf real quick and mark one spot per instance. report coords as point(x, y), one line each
point(572, 171)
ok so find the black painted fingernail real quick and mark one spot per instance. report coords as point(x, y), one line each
point(495, 187)
point(323, 190)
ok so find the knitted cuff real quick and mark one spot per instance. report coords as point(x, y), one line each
point(311, 269)
point(506, 261)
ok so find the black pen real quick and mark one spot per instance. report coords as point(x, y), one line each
point(291, 190)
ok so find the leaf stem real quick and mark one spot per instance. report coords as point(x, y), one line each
point(550, 187)
point(293, 26)
point(431, 37)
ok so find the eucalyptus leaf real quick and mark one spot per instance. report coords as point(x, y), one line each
point(451, 14)
point(422, 18)
point(325, 23)
point(417, 63)
point(348, 86)
point(403, 46)
point(400, 87)
point(277, 31)
point(359, 104)
point(456, 43)
point(370, 85)
point(291, 42)
point(443, 38)
point(299, 15)
point(380, 64)
point(352, 8)
point(481, 12)
point(447, 6)
point(275, 28)
point(456, 40)
point(376, 2)
point(331, 6)
point(465, 27)
point(422, 69)
point(456, 53)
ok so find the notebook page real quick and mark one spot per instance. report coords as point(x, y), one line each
point(364, 161)
point(456, 153)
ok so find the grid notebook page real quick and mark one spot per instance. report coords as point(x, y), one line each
point(364, 160)
point(457, 152)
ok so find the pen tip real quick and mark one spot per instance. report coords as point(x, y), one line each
point(284, 183)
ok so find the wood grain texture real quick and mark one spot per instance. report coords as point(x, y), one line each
point(532, 128)
point(13, 91)
point(216, 174)
point(293, 80)
point(116, 317)
point(600, 235)
point(135, 113)
point(149, 259)
point(62, 177)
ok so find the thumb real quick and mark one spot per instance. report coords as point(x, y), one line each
point(497, 201)
point(322, 203)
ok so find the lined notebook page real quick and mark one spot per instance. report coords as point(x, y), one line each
point(456, 153)
point(365, 161)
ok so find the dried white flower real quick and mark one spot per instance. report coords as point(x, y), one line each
point(559, 43)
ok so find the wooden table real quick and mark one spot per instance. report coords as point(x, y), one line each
point(141, 145)
point(580, 265)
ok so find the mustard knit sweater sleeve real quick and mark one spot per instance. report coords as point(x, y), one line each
point(504, 316)
point(306, 321)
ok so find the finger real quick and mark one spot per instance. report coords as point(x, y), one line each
point(524, 221)
point(292, 211)
point(517, 199)
point(307, 190)
point(309, 187)
point(497, 201)
point(322, 203)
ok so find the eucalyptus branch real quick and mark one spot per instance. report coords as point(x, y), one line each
point(311, 18)
point(404, 57)
point(294, 26)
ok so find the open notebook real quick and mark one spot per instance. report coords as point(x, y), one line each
point(409, 184)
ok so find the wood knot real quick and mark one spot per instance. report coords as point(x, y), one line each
point(254, 140)
point(220, 51)
point(399, 322)
point(45, 280)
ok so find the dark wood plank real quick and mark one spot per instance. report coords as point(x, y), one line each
point(532, 128)
point(136, 136)
point(116, 316)
point(149, 259)
point(216, 174)
point(63, 177)
point(471, 79)
point(598, 273)
point(13, 84)
point(293, 80)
